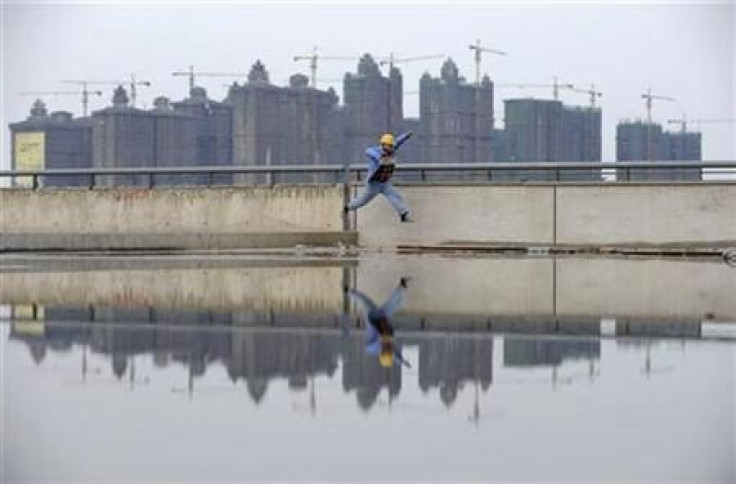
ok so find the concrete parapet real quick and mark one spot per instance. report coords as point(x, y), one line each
point(237, 210)
point(575, 215)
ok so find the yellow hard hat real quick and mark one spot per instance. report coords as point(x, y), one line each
point(386, 358)
point(387, 139)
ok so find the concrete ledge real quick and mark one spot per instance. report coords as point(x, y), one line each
point(161, 241)
point(694, 249)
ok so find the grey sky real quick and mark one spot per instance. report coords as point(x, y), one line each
point(684, 51)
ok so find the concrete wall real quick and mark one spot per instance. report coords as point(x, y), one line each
point(646, 214)
point(260, 209)
point(543, 214)
point(579, 215)
point(461, 213)
point(224, 218)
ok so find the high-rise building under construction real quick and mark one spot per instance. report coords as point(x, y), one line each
point(48, 141)
point(641, 141)
point(538, 130)
point(274, 125)
point(456, 118)
point(372, 105)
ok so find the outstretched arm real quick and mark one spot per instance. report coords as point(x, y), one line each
point(367, 305)
point(402, 138)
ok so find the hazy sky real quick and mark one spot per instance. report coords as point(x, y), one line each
point(684, 50)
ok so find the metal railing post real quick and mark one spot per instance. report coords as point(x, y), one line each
point(346, 196)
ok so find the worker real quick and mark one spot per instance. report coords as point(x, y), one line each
point(379, 331)
point(382, 162)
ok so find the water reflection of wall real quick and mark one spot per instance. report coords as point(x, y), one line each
point(303, 288)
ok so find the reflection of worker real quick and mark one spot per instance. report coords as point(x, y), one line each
point(378, 326)
point(380, 170)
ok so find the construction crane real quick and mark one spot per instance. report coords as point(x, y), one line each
point(314, 57)
point(683, 121)
point(391, 59)
point(556, 86)
point(591, 92)
point(479, 49)
point(649, 98)
point(132, 83)
point(85, 93)
point(192, 74)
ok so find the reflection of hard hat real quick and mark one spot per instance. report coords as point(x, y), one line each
point(387, 139)
point(386, 358)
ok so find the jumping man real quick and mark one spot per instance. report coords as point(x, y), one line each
point(380, 170)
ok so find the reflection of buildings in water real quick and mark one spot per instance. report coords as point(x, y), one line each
point(259, 357)
point(365, 375)
point(529, 352)
point(253, 356)
point(662, 328)
point(449, 362)
point(677, 329)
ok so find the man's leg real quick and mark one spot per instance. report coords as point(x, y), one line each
point(370, 192)
point(396, 200)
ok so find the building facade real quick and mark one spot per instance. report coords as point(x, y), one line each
point(641, 141)
point(283, 125)
point(372, 106)
point(123, 137)
point(175, 142)
point(456, 118)
point(51, 141)
point(214, 143)
point(538, 130)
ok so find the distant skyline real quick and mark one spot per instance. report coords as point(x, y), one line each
point(685, 51)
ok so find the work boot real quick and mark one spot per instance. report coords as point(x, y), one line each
point(405, 217)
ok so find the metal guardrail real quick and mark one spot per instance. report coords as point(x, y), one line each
point(344, 173)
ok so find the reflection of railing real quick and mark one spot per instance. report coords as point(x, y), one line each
point(729, 256)
point(553, 171)
point(412, 326)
